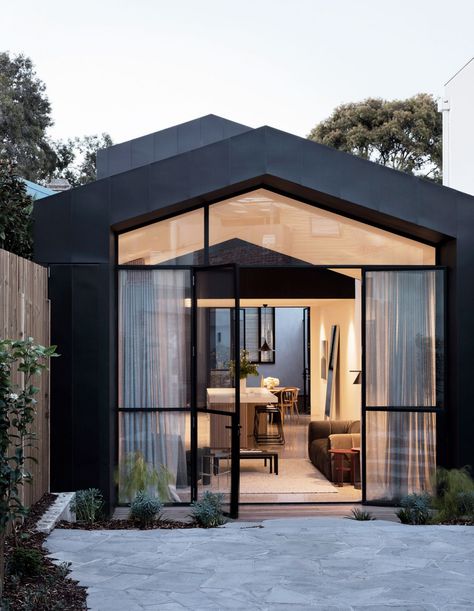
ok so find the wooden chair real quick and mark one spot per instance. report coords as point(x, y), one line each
point(289, 401)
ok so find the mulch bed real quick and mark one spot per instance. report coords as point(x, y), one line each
point(51, 589)
point(125, 525)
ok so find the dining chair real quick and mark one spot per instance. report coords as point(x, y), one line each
point(289, 401)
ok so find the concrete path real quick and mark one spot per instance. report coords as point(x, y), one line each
point(308, 563)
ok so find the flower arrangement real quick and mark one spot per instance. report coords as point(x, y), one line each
point(271, 382)
point(247, 368)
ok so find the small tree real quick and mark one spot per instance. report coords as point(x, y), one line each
point(16, 207)
point(17, 412)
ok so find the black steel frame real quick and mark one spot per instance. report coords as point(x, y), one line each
point(306, 359)
point(193, 409)
point(235, 417)
point(440, 443)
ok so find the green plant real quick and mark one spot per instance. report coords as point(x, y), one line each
point(17, 413)
point(136, 475)
point(416, 509)
point(88, 505)
point(25, 562)
point(208, 511)
point(144, 509)
point(361, 515)
point(247, 368)
point(466, 503)
point(454, 494)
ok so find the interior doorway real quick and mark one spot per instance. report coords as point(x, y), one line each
point(304, 438)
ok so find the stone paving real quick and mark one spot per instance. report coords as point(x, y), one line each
point(307, 563)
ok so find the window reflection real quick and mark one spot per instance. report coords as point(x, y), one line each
point(175, 241)
point(264, 228)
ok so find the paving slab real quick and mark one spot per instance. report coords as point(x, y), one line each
point(292, 563)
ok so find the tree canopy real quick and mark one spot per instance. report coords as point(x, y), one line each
point(401, 134)
point(77, 158)
point(24, 118)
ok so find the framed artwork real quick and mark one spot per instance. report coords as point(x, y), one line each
point(324, 359)
point(332, 370)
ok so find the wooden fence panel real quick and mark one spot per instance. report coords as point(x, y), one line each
point(25, 312)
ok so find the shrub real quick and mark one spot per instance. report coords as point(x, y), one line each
point(88, 505)
point(144, 509)
point(25, 562)
point(416, 509)
point(466, 503)
point(361, 515)
point(454, 494)
point(208, 511)
point(135, 475)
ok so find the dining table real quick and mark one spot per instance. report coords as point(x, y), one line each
point(223, 399)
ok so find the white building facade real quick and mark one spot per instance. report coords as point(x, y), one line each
point(457, 107)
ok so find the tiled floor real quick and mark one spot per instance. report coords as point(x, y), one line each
point(307, 563)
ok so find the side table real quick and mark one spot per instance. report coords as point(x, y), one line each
point(339, 464)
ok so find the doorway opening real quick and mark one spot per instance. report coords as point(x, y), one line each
point(313, 429)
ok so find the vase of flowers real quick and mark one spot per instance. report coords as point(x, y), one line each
point(247, 368)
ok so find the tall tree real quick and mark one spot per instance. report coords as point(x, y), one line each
point(401, 134)
point(24, 118)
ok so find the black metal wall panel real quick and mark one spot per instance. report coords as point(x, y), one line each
point(61, 413)
point(165, 143)
point(80, 427)
point(221, 158)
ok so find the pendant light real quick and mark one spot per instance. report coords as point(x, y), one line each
point(265, 347)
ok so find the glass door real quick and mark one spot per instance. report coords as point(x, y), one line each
point(403, 381)
point(216, 357)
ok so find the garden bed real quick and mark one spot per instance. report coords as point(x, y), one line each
point(125, 525)
point(51, 588)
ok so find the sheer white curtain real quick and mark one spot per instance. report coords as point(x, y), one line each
point(401, 368)
point(154, 328)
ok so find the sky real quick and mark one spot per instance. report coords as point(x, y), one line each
point(132, 67)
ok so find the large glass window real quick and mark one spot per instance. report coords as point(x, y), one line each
point(400, 454)
point(404, 363)
point(405, 338)
point(175, 241)
point(264, 228)
point(154, 382)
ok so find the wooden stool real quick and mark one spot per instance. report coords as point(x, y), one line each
point(265, 438)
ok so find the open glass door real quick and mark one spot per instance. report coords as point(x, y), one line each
point(403, 381)
point(217, 395)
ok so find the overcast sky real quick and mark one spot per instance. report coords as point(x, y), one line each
point(130, 67)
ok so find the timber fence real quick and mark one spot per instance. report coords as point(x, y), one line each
point(25, 312)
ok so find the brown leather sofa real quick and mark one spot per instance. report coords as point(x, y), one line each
point(325, 435)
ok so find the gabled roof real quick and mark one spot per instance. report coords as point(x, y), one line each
point(165, 143)
point(86, 217)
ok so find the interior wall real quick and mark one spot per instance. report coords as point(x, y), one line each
point(288, 366)
point(346, 314)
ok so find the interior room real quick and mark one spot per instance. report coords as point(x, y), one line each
point(306, 352)
point(297, 295)
point(315, 348)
